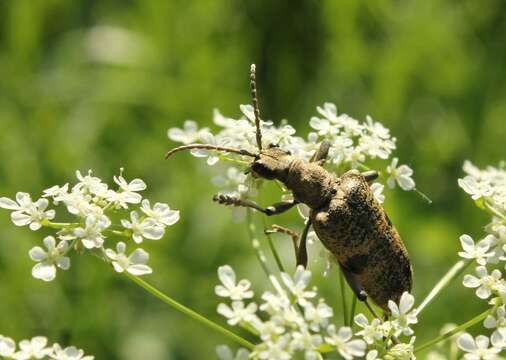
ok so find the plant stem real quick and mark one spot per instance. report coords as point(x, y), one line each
point(189, 312)
point(256, 244)
point(442, 284)
point(55, 225)
point(458, 329)
point(273, 249)
point(343, 297)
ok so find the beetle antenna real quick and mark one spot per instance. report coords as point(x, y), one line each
point(208, 147)
point(254, 99)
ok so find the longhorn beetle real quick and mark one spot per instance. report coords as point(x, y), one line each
point(344, 213)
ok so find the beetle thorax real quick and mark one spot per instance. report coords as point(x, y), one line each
point(310, 183)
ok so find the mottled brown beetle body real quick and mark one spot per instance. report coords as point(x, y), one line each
point(349, 221)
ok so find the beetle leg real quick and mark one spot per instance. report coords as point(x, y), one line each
point(302, 251)
point(283, 230)
point(370, 176)
point(321, 154)
point(357, 289)
point(274, 209)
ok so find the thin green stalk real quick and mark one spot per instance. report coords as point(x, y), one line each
point(189, 312)
point(352, 313)
point(442, 284)
point(256, 244)
point(55, 225)
point(343, 297)
point(493, 211)
point(458, 329)
point(273, 248)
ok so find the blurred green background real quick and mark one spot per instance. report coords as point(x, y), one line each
point(96, 84)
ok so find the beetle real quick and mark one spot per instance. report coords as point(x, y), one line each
point(344, 214)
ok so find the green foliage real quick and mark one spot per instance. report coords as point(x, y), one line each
point(96, 84)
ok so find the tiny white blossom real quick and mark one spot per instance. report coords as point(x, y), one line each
point(477, 349)
point(47, 261)
point(56, 192)
point(317, 315)
point(484, 283)
point(7, 346)
point(278, 349)
point(401, 175)
point(26, 212)
point(129, 190)
point(91, 235)
point(224, 353)
point(189, 134)
point(134, 264)
point(238, 312)
point(160, 212)
point(478, 251)
point(342, 341)
point(402, 315)
point(476, 188)
point(377, 190)
point(69, 353)
point(298, 284)
point(402, 351)
point(370, 332)
point(34, 348)
point(230, 289)
point(147, 228)
point(89, 183)
point(497, 322)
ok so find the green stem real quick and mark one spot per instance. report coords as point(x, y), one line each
point(343, 297)
point(256, 244)
point(442, 284)
point(458, 329)
point(273, 249)
point(55, 225)
point(352, 313)
point(493, 211)
point(189, 312)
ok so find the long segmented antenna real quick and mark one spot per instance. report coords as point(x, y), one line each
point(208, 147)
point(254, 99)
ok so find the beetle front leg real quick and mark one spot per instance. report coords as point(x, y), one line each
point(274, 209)
point(321, 154)
point(299, 243)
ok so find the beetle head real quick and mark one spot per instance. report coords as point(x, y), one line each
point(271, 163)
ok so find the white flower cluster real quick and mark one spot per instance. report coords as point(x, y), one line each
point(37, 348)
point(91, 203)
point(290, 322)
point(353, 143)
point(488, 189)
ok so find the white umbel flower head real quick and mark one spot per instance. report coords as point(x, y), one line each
point(342, 341)
point(47, 261)
point(91, 235)
point(297, 285)
point(26, 212)
point(400, 175)
point(69, 353)
point(402, 314)
point(479, 252)
point(33, 349)
point(486, 284)
point(238, 312)
point(160, 212)
point(370, 331)
point(129, 190)
point(134, 264)
point(230, 289)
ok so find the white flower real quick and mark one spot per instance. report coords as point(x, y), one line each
point(34, 348)
point(160, 212)
point(45, 269)
point(317, 316)
point(91, 235)
point(238, 312)
point(134, 264)
point(278, 349)
point(329, 111)
point(478, 251)
point(401, 351)
point(377, 190)
point(90, 184)
point(307, 342)
point(297, 286)
point(370, 332)
point(189, 134)
point(224, 353)
point(234, 182)
point(497, 322)
point(342, 341)
point(477, 349)
point(56, 192)
point(147, 228)
point(485, 283)
point(475, 187)
point(402, 315)
point(401, 175)
point(229, 288)
point(7, 347)
point(27, 212)
point(129, 190)
point(69, 353)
